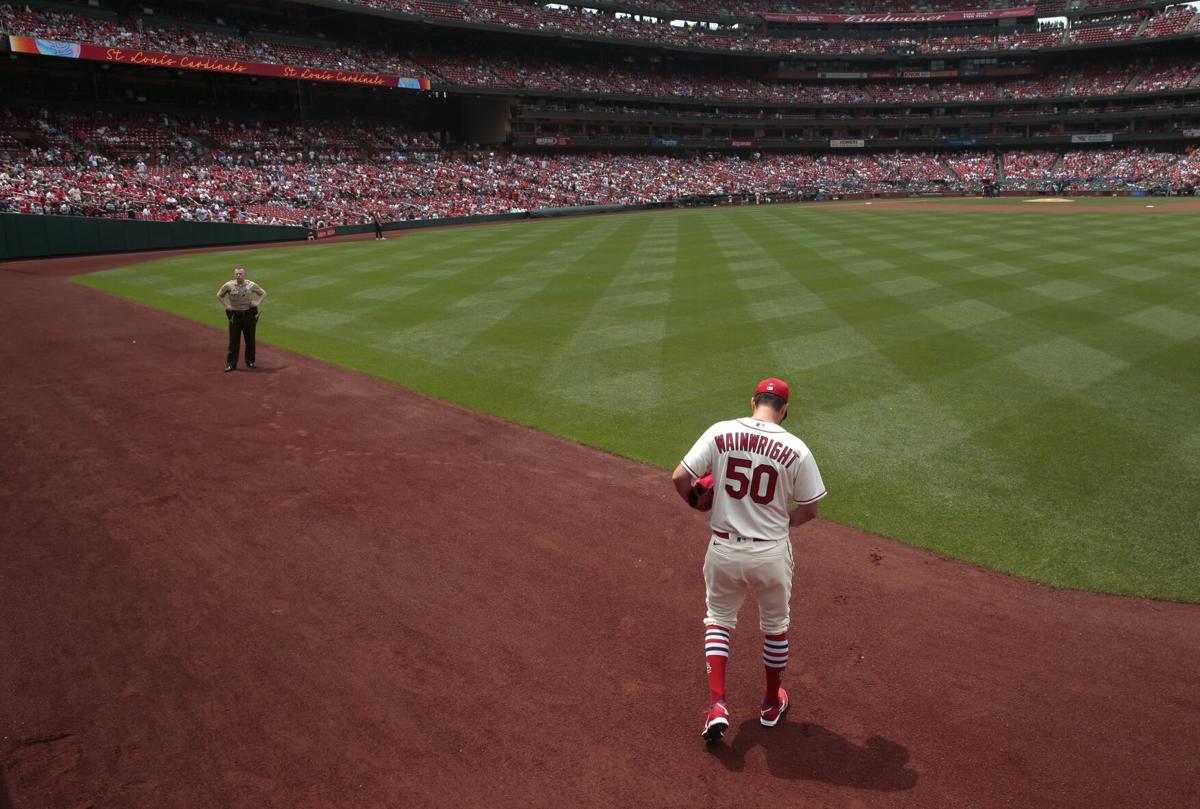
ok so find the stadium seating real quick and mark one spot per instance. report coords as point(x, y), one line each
point(1103, 33)
point(154, 35)
point(1185, 171)
point(1051, 85)
point(1174, 21)
point(971, 168)
point(1102, 80)
point(210, 167)
point(1166, 77)
point(204, 169)
point(1029, 40)
point(1028, 164)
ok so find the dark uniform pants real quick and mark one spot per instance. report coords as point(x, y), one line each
point(241, 323)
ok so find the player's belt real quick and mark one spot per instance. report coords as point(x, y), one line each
point(738, 538)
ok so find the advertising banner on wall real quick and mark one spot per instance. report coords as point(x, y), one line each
point(210, 64)
point(847, 143)
point(1099, 138)
point(916, 16)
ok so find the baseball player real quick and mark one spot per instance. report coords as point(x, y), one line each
point(241, 299)
point(758, 480)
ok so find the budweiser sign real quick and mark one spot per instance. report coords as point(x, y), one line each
point(886, 18)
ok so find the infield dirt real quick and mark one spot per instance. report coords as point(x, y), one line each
point(304, 587)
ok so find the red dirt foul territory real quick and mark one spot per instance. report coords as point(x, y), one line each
point(283, 589)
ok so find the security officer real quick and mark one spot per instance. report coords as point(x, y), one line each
point(241, 299)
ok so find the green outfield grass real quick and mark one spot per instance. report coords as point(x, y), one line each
point(1008, 387)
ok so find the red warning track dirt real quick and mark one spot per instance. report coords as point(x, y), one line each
point(304, 587)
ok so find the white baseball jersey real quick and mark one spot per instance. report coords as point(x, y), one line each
point(758, 467)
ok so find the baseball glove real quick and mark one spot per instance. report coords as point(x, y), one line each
point(701, 495)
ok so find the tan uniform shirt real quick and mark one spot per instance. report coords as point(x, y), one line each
point(241, 296)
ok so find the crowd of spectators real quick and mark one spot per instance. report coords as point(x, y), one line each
point(1102, 79)
point(689, 28)
point(1025, 165)
point(543, 116)
point(750, 8)
point(1089, 170)
point(1174, 76)
point(293, 173)
point(1173, 21)
point(1184, 172)
point(200, 168)
point(707, 9)
point(723, 10)
point(972, 168)
point(612, 79)
point(147, 33)
point(486, 70)
point(1096, 34)
point(657, 27)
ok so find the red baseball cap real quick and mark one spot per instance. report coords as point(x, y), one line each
point(773, 385)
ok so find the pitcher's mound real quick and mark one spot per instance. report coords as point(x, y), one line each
point(1049, 199)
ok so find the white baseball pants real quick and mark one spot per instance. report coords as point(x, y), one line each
point(734, 569)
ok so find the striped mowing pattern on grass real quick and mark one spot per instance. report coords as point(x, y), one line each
point(1010, 388)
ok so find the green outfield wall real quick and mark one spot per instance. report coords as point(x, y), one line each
point(543, 213)
point(32, 236)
